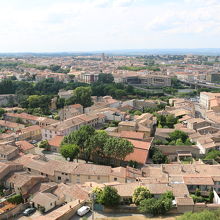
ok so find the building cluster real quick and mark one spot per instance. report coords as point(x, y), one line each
point(59, 187)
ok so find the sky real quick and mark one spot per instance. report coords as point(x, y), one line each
point(96, 25)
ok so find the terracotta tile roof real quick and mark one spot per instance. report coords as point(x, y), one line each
point(24, 145)
point(24, 116)
point(138, 155)
point(9, 124)
point(56, 141)
point(7, 149)
point(92, 169)
point(132, 135)
point(44, 198)
point(197, 180)
point(30, 128)
point(140, 144)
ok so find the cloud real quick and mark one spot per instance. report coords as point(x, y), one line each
point(203, 18)
point(71, 25)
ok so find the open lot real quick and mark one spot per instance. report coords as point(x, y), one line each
point(105, 216)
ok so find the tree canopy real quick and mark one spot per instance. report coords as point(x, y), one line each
point(140, 194)
point(109, 196)
point(70, 151)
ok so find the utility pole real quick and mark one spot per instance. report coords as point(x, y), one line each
point(93, 197)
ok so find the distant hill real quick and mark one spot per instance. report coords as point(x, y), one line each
point(128, 52)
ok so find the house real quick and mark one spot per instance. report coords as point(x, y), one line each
point(65, 127)
point(30, 133)
point(197, 123)
point(22, 182)
point(7, 125)
point(29, 119)
point(7, 152)
point(9, 167)
point(141, 151)
point(55, 143)
point(58, 195)
point(70, 111)
point(25, 147)
point(209, 100)
point(144, 123)
point(69, 172)
point(45, 201)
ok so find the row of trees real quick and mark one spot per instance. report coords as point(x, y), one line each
point(89, 144)
point(108, 196)
point(176, 138)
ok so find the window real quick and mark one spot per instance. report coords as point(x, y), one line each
point(67, 180)
point(89, 177)
point(41, 173)
point(59, 178)
point(78, 174)
point(51, 204)
point(29, 169)
point(115, 179)
point(62, 173)
point(98, 177)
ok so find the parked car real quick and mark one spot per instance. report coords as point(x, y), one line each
point(83, 210)
point(29, 211)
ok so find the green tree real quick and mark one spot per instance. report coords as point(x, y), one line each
point(118, 148)
point(140, 193)
point(97, 142)
point(83, 96)
point(70, 151)
point(44, 144)
point(2, 112)
point(171, 120)
point(15, 199)
point(177, 134)
point(212, 155)
point(106, 78)
point(159, 158)
point(82, 139)
point(19, 121)
point(156, 206)
point(137, 112)
point(110, 197)
point(98, 194)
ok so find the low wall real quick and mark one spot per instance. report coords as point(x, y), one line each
point(67, 211)
point(13, 212)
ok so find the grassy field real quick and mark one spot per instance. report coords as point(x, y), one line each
point(138, 218)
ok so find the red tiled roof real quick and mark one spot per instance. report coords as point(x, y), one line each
point(138, 155)
point(141, 150)
point(24, 145)
point(140, 144)
point(56, 141)
point(132, 134)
